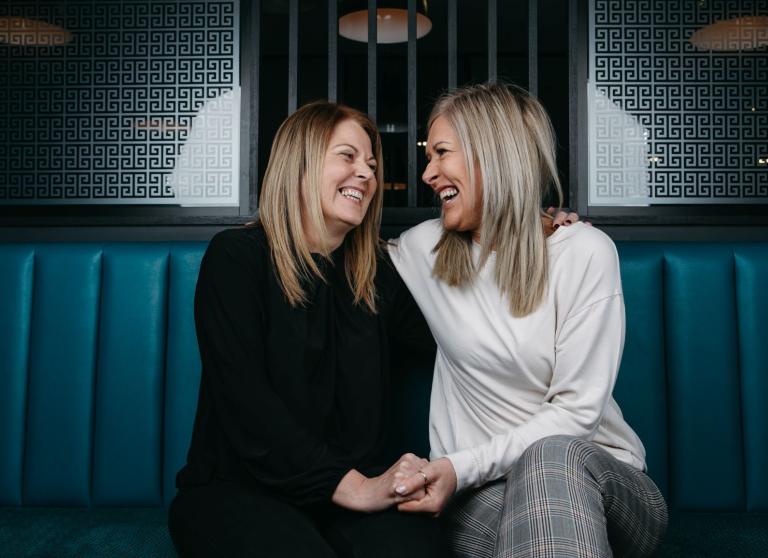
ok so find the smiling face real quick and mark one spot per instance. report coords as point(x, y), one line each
point(448, 176)
point(348, 181)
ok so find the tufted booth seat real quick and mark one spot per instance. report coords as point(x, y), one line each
point(99, 373)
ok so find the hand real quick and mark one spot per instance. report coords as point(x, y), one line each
point(439, 485)
point(563, 218)
point(359, 493)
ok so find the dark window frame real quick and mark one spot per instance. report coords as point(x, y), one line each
point(682, 214)
point(148, 215)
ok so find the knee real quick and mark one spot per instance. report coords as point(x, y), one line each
point(559, 450)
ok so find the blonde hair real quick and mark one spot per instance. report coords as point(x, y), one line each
point(507, 135)
point(290, 198)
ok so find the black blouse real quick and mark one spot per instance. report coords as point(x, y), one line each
point(290, 398)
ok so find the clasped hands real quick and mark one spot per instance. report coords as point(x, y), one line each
point(412, 484)
point(428, 489)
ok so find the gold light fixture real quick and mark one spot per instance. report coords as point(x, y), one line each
point(741, 33)
point(22, 31)
point(391, 21)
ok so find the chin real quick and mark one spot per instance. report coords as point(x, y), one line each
point(351, 222)
point(449, 223)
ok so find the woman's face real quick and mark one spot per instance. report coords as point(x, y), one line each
point(348, 181)
point(448, 176)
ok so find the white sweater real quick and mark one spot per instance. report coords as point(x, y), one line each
point(501, 382)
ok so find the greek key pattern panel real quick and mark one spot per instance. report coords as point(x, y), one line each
point(119, 102)
point(678, 108)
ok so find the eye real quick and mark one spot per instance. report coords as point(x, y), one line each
point(348, 156)
point(441, 151)
point(372, 166)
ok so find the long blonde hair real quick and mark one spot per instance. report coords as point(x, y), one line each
point(507, 135)
point(290, 198)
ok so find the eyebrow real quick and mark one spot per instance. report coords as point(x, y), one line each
point(353, 148)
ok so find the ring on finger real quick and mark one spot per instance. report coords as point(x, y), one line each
point(423, 474)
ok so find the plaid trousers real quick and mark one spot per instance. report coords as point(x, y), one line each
point(566, 497)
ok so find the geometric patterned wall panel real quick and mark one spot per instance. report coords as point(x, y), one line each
point(670, 122)
point(125, 102)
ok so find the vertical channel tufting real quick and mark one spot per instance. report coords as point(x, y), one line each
point(641, 389)
point(127, 436)
point(61, 371)
point(183, 361)
point(752, 301)
point(16, 281)
point(705, 421)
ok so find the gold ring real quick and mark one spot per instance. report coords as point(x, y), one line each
point(423, 474)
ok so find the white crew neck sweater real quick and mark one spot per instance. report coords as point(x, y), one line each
point(500, 382)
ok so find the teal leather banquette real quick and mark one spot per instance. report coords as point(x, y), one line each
point(99, 373)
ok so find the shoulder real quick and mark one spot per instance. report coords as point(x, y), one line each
point(584, 267)
point(427, 231)
point(240, 247)
point(420, 239)
point(585, 244)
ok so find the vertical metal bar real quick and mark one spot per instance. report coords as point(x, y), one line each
point(533, 47)
point(452, 44)
point(372, 38)
point(578, 123)
point(293, 54)
point(250, 103)
point(412, 62)
point(333, 49)
point(492, 41)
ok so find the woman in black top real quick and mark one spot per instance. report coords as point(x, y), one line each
point(293, 320)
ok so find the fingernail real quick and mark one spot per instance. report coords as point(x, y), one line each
point(555, 226)
point(568, 222)
point(400, 489)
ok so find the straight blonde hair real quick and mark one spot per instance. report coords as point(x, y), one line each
point(507, 135)
point(290, 198)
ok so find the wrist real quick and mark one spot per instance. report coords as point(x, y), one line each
point(349, 492)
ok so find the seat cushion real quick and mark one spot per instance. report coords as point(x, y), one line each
point(718, 535)
point(80, 532)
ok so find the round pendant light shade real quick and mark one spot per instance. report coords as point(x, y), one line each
point(742, 33)
point(391, 21)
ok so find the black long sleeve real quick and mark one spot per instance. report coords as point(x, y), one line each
point(290, 399)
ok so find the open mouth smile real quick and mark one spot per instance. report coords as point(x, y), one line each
point(351, 193)
point(447, 194)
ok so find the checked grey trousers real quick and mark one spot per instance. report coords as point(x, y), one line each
point(565, 498)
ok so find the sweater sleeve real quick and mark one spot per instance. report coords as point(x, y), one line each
point(230, 321)
point(588, 348)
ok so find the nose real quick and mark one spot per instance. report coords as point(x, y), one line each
point(363, 171)
point(430, 174)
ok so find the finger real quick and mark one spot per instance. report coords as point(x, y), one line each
point(410, 460)
point(550, 210)
point(560, 218)
point(398, 480)
point(413, 483)
point(416, 506)
point(572, 218)
point(418, 495)
point(587, 223)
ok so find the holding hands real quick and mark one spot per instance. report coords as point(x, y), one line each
point(360, 493)
point(435, 481)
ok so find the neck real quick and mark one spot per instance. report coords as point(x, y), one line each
point(328, 243)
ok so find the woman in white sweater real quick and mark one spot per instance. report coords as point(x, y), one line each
point(530, 453)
